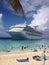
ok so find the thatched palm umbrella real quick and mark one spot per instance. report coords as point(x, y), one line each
point(16, 6)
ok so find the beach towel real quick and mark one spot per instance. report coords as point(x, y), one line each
point(22, 60)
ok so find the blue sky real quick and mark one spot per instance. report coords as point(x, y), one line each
point(36, 13)
point(9, 18)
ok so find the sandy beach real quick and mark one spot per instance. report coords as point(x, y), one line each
point(10, 58)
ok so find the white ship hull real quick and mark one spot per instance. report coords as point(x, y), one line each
point(22, 35)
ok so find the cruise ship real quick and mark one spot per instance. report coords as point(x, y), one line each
point(23, 32)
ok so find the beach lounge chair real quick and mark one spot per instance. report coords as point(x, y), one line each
point(23, 60)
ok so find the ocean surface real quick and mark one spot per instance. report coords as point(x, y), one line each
point(10, 44)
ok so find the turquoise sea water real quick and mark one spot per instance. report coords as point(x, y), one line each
point(15, 44)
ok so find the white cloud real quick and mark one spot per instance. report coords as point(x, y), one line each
point(0, 15)
point(1, 23)
point(2, 32)
point(41, 19)
point(42, 16)
point(30, 5)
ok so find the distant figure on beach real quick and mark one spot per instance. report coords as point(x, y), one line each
point(42, 46)
point(48, 46)
point(28, 59)
point(25, 47)
point(22, 48)
point(43, 58)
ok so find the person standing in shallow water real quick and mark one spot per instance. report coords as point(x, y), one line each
point(43, 58)
point(22, 48)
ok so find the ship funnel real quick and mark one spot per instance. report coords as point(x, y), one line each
point(35, 27)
